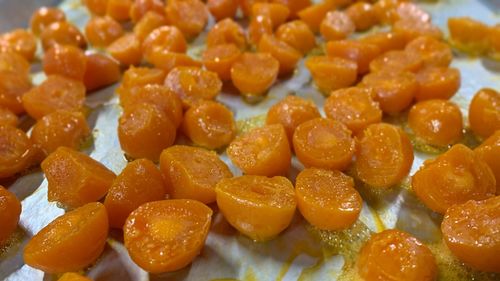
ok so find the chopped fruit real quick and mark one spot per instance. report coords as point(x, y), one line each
point(192, 84)
point(433, 52)
point(126, 49)
point(222, 9)
point(119, 9)
point(74, 178)
point(385, 41)
point(16, 151)
point(411, 29)
point(65, 60)
point(102, 31)
point(62, 33)
point(157, 95)
point(298, 35)
point(13, 62)
point(60, 128)
point(314, 14)
point(327, 199)
point(396, 255)
point(226, 31)
point(384, 155)
point(396, 61)
point(209, 124)
point(336, 26)
point(354, 107)
point(79, 236)
point(149, 22)
point(167, 235)
point(192, 172)
point(220, 59)
point(489, 151)
point(262, 151)
point(138, 183)
point(140, 8)
point(454, 177)
point(361, 53)
point(43, 17)
point(291, 112)
point(259, 26)
point(286, 55)
point(437, 83)
point(254, 73)
point(141, 76)
point(101, 71)
point(332, 73)
point(190, 16)
point(144, 130)
point(73, 277)
point(471, 230)
point(97, 7)
point(277, 13)
point(393, 90)
point(469, 34)
point(259, 207)
point(164, 39)
point(363, 15)
point(436, 122)
point(56, 92)
point(324, 143)
point(19, 41)
point(8, 117)
point(10, 211)
point(484, 112)
point(12, 88)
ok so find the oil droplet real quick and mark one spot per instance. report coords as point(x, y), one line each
point(248, 124)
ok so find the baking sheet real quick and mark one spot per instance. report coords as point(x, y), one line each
point(301, 252)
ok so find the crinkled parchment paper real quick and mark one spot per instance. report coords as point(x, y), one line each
point(301, 252)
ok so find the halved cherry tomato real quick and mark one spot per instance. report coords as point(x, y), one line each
point(10, 211)
point(157, 95)
point(433, 52)
point(314, 14)
point(384, 155)
point(141, 7)
point(294, 6)
point(8, 117)
point(226, 31)
point(12, 88)
point(209, 124)
point(144, 131)
point(192, 84)
point(192, 172)
point(149, 22)
point(258, 206)
point(454, 177)
point(167, 235)
point(354, 107)
point(79, 235)
point(332, 73)
point(436, 122)
point(411, 11)
point(65, 60)
point(291, 112)
point(468, 34)
point(262, 151)
point(60, 128)
point(102, 31)
point(386, 10)
point(16, 151)
point(298, 35)
point(254, 73)
point(220, 59)
point(484, 112)
point(74, 178)
point(437, 83)
point(13, 62)
point(489, 151)
point(100, 71)
point(19, 41)
point(396, 61)
point(385, 41)
point(396, 255)
point(222, 9)
point(97, 7)
point(190, 16)
point(324, 143)
point(393, 90)
point(494, 46)
point(412, 29)
point(140, 76)
point(286, 55)
point(164, 39)
point(259, 26)
point(277, 13)
point(323, 195)
point(56, 92)
point(361, 53)
point(62, 33)
point(363, 15)
point(470, 232)
point(119, 9)
point(43, 17)
point(126, 49)
point(336, 25)
point(138, 183)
